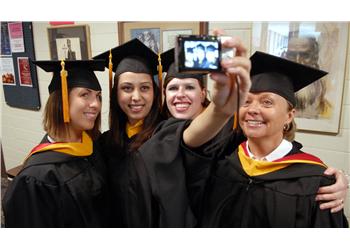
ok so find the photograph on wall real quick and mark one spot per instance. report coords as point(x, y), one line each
point(150, 37)
point(68, 48)
point(5, 40)
point(16, 37)
point(319, 45)
point(169, 37)
point(69, 42)
point(24, 74)
point(7, 71)
point(159, 36)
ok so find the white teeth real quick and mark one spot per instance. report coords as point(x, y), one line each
point(182, 105)
point(255, 123)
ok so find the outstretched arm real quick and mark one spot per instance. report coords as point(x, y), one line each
point(224, 96)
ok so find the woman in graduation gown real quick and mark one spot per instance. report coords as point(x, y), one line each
point(147, 178)
point(133, 116)
point(184, 99)
point(268, 181)
point(63, 181)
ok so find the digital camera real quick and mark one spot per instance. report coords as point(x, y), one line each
point(200, 53)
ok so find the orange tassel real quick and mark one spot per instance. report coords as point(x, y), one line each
point(235, 121)
point(233, 80)
point(110, 69)
point(64, 86)
point(160, 76)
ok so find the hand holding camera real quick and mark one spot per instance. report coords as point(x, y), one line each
point(201, 53)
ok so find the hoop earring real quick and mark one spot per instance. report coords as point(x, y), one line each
point(286, 127)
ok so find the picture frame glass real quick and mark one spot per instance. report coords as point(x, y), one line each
point(159, 36)
point(71, 42)
point(320, 45)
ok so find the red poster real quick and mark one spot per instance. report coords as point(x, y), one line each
point(25, 78)
point(16, 37)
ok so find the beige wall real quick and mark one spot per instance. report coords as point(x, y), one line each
point(22, 130)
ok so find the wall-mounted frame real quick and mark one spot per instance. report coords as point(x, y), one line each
point(318, 44)
point(159, 36)
point(69, 42)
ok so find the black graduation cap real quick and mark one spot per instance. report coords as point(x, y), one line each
point(132, 56)
point(167, 58)
point(79, 73)
point(71, 74)
point(281, 76)
point(168, 64)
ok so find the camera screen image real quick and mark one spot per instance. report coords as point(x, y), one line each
point(201, 55)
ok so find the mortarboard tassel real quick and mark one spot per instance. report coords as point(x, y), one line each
point(110, 71)
point(235, 121)
point(64, 86)
point(234, 80)
point(160, 76)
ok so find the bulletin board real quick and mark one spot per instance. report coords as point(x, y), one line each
point(19, 76)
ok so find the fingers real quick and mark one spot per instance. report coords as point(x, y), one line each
point(335, 205)
point(218, 32)
point(330, 171)
point(328, 197)
point(232, 42)
point(341, 183)
point(235, 42)
point(337, 209)
point(236, 62)
point(334, 201)
point(328, 189)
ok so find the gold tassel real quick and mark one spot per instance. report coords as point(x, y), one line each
point(234, 80)
point(235, 121)
point(64, 86)
point(160, 77)
point(110, 71)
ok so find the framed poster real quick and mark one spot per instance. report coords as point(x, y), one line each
point(71, 42)
point(159, 36)
point(320, 45)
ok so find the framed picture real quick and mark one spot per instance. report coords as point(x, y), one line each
point(71, 42)
point(159, 36)
point(320, 45)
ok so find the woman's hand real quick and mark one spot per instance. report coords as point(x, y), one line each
point(224, 94)
point(333, 195)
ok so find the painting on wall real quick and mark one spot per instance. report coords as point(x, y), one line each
point(320, 45)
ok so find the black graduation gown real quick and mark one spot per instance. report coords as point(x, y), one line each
point(129, 185)
point(58, 190)
point(149, 185)
point(223, 195)
point(162, 159)
point(137, 201)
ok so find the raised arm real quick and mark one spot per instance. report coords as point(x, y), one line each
point(224, 96)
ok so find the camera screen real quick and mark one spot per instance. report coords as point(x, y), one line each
point(201, 54)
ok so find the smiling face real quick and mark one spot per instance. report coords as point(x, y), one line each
point(135, 95)
point(84, 107)
point(264, 115)
point(184, 98)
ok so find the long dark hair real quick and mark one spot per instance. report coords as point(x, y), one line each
point(118, 120)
